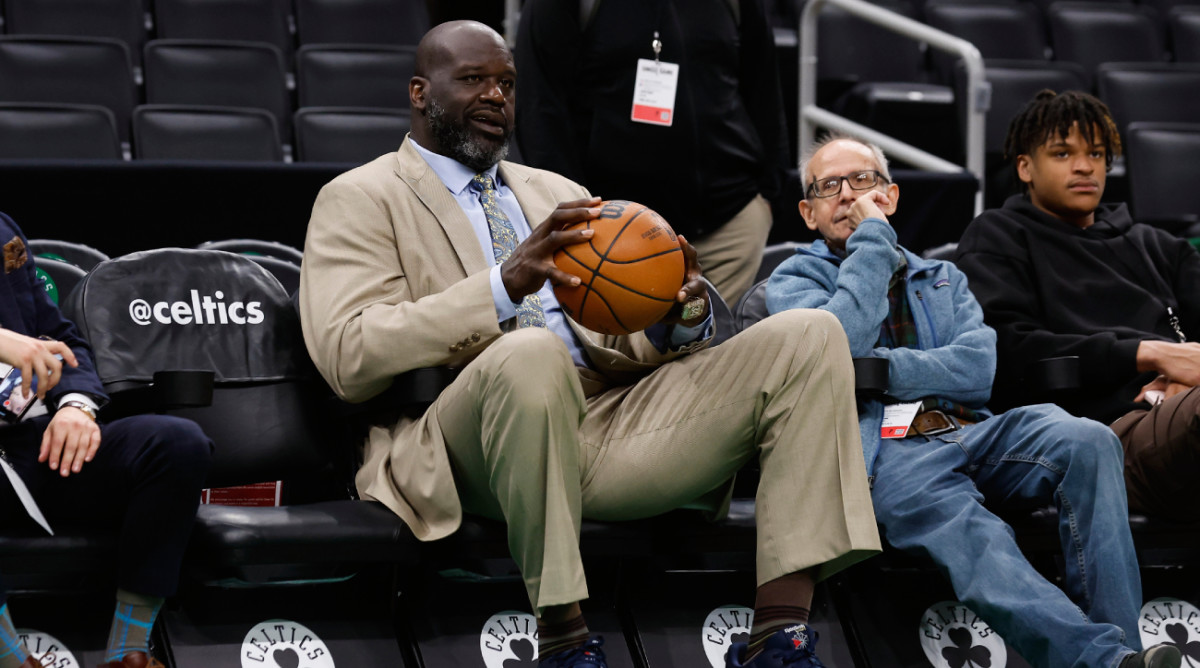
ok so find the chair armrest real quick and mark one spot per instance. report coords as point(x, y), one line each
point(410, 391)
point(168, 390)
point(1055, 374)
point(870, 377)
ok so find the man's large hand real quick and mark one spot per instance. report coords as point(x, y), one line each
point(71, 439)
point(1179, 362)
point(532, 262)
point(693, 287)
point(35, 357)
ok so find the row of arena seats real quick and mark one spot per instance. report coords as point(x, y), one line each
point(328, 578)
point(285, 24)
point(246, 83)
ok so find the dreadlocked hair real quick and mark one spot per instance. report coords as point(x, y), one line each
point(1050, 115)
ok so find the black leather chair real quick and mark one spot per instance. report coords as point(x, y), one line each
point(58, 278)
point(774, 255)
point(74, 70)
point(1091, 33)
point(219, 73)
point(1163, 172)
point(394, 22)
point(354, 75)
point(240, 20)
point(185, 132)
point(256, 247)
point(1150, 92)
point(58, 131)
point(81, 255)
point(1007, 30)
point(123, 20)
point(348, 134)
point(1184, 22)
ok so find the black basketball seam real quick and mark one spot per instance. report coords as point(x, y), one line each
point(647, 257)
point(608, 306)
point(602, 257)
point(637, 292)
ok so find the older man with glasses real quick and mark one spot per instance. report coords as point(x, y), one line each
point(934, 452)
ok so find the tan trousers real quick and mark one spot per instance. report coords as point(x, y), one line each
point(782, 390)
point(731, 254)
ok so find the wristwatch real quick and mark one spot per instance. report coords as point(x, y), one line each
point(91, 412)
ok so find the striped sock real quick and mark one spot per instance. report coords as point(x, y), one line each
point(12, 651)
point(132, 621)
point(561, 636)
point(768, 621)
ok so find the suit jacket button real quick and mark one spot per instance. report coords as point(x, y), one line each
point(475, 337)
point(455, 348)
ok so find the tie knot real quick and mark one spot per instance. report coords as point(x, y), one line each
point(484, 181)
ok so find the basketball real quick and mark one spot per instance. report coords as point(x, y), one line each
point(631, 270)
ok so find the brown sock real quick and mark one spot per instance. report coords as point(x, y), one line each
point(779, 604)
point(560, 636)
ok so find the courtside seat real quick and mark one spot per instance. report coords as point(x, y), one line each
point(263, 406)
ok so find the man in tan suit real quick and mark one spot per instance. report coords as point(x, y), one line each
point(413, 260)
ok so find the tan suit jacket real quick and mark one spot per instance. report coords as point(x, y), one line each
point(394, 279)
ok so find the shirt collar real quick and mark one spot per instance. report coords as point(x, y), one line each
point(453, 174)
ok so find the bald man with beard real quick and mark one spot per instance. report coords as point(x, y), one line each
point(440, 254)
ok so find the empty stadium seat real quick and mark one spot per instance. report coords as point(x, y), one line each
point(58, 131)
point(340, 75)
point(395, 22)
point(255, 247)
point(76, 70)
point(58, 277)
point(81, 255)
point(1012, 31)
point(181, 132)
point(240, 20)
point(1163, 173)
point(1184, 22)
point(350, 135)
point(219, 73)
point(117, 19)
point(1167, 92)
point(1093, 33)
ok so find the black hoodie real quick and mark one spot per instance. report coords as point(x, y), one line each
point(1051, 289)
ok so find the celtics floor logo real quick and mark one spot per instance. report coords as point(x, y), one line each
point(280, 643)
point(509, 640)
point(953, 636)
point(723, 627)
point(49, 651)
point(1173, 622)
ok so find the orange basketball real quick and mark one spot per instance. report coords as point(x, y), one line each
point(631, 269)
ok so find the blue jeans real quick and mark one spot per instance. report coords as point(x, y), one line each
point(929, 499)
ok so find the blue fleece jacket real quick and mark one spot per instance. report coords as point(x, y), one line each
point(955, 360)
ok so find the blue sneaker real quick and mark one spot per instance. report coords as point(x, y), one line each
point(588, 656)
point(792, 646)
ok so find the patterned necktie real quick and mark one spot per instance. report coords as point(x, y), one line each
point(504, 241)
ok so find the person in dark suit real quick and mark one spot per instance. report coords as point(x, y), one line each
point(139, 476)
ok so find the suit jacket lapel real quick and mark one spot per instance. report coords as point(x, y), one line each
point(433, 194)
point(536, 203)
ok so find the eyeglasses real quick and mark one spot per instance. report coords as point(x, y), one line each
point(830, 186)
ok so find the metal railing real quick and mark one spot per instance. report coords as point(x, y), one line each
point(978, 91)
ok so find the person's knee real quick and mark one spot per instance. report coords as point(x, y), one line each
point(1093, 446)
point(807, 324)
point(181, 444)
point(526, 366)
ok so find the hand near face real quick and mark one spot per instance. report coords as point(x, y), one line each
point(869, 205)
point(532, 262)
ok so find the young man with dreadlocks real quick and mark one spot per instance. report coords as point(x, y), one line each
point(1058, 274)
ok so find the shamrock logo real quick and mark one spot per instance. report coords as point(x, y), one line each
point(1179, 638)
point(963, 653)
point(525, 652)
point(286, 658)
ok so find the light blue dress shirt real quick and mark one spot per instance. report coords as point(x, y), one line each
point(457, 179)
